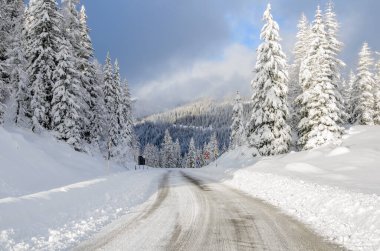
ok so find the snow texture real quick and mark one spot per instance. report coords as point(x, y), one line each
point(52, 197)
point(334, 190)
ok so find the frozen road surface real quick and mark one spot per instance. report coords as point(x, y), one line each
point(190, 213)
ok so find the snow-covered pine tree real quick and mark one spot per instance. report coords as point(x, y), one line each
point(167, 151)
point(177, 154)
point(124, 116)
point(42, 44)
point(121, 139)
point(65, 110)
point(336, 64)
point(206, 154)
point(303, 38)
point(268, 130)
point(363, 91)
point(320, 115)
point(347, 95)
point(191, 155)
point(16, 62)
point(9, 17)
point(213, 147)
point(237, 127)
point(152, 155)
point(376, 117)
point(300, 50)
point(127, 117)
point(111, 105)
point(73, 28)
point(98, 122)
point(92, 87)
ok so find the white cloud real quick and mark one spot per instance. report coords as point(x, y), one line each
point(205, 78)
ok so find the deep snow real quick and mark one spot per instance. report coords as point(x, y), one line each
point(334, 189)
point(52, 197)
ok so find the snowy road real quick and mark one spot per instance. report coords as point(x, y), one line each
point(193, 214)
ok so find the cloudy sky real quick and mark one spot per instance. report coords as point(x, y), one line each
point(173, 52)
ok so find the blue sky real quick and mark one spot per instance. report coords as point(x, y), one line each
point(173, 52)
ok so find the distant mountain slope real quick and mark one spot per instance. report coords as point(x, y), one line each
point(198, 120)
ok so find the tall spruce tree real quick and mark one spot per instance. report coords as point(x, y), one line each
point(98, 122)
point(334, 48)
point(127, 117)
point(111, 105)
point(3, 49)
point(91, 85)
point(268, 130)
point(16, 64)
point(42, 45)
point(300, 51)
point(320, 114)
point(237, 127)
point(191, 155)
point(152, 155)
point(376, 117)
point(213, 146)
point(167, 151)
point(347, 95)
point(303, 39)
point(363, 93)
point(65, 110)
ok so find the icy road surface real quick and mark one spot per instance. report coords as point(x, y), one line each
point(190, 213)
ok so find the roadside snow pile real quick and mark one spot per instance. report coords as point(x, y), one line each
point(52, 197)
point(31, 163)
point(59, 219)
point(336, 190)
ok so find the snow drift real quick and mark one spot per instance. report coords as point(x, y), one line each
point(334, 189)
point(52, 197)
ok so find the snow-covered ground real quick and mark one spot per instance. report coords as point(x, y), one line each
point(335, 189)
point(52, 197)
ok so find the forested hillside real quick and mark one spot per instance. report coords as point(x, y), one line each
point(198, 120)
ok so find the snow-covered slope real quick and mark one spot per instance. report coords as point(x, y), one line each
point(335, 189)
point(30, 163)
point(52, 197)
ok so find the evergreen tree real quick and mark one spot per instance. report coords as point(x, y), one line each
point(191, 155)
point(334, 48)
point(92, 87)
point(303, 39)
point(42, 45)
point(12, 60)
point(15, 64)
point(300, 52)
point(127, 117)
point(376, 118)
point(363, 93)
point(268, 130)
point(177, 154)
point(111, 106)
point(98, 122)
point(152, 155)
point(213, 147)
point(320, 114)
point(347, 95)
point(168, 160)
point(237, 127)
point(66, 94)
point(124, 115)
point(294, 91)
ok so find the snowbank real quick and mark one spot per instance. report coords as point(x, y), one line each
point(52, 197)
point(335, 190)
point(30, 163)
